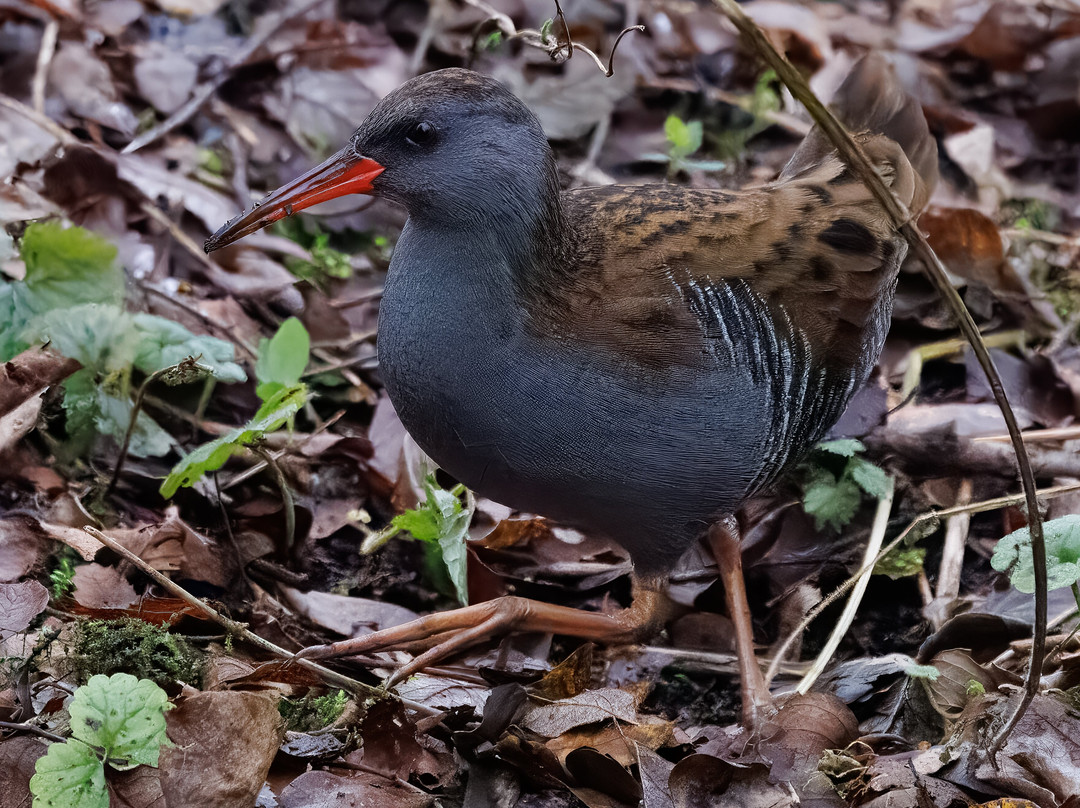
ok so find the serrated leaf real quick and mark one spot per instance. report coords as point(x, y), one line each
point(163, 343)
point(833, 503)
point(1012, 555)
point(902, 562)
point(284, 357)
point(123, 715)
point(213, 455)
point(68, 266)
point(70, 775)
point(871, 478)
point(844, 447)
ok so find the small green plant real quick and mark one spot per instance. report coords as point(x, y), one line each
point(326, 263)
point(273, 414)
point(762, 101)
point(1012, 555)
point(128, 645)
point(282, 359)
point(62, 576)
point(116, 720)
point(442, 523)
point(71, 297)
point(684, 139)
point(902, 562)
point(278, 368)
point(312, 713)
point(833, 498)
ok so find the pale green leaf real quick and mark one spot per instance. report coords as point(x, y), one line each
point(832, 503)
point(164, 343)
point(123, 715)
point(1012, 555)
point(845, 447)
point(870, 478)
point(70, 775)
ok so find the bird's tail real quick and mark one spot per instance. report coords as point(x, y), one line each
point(872, 101)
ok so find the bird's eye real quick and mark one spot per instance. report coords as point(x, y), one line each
point(421, 134)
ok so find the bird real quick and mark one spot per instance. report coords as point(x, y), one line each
point(634, 361)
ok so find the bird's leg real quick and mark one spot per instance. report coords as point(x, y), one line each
point(458, 629)
point(723, 541)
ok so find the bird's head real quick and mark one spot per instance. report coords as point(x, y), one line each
point(453, 147)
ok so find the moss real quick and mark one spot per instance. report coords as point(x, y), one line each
point(132, 646)
point(313, 712)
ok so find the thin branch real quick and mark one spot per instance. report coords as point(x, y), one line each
point(204, 91)
point(919, 525)
point(41, 70)
point(873, 546)
point(239, 630)
point(854, 156)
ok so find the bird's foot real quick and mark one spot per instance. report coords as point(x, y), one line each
point(456, 630)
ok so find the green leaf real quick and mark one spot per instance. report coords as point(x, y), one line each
point(684, 138)
point(903, 562)
point(68, 266)
point(845, 447)
point(163, 343)
point(871, 478)
point(213, 455)
point(830, 501)
point(69, 776)
point(283, 358)
point(442, 520)
point(123, 715)
point(1012, 555)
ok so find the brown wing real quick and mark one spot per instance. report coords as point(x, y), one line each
point(815, 248)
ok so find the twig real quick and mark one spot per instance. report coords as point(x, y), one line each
point(136, 408)
point(287, 502)
point(918, 524)
point(854, 156)
point(36, 730)
point(41, 70)
point(204, 91)
point(39, 119)
point(553, 48)
point(239, 630)
point(873, 546)
point(952, 559)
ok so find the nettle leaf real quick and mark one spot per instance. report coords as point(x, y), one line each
point(69, 776)
point(123, 715)
point(282, 358)
point(109, 342)
point(68, 266)
point(444, 521)
point(163, 343)
point(831, 502)
point(844, 447)
point(1012, 555)
point(871, 478)
point(213, 455)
